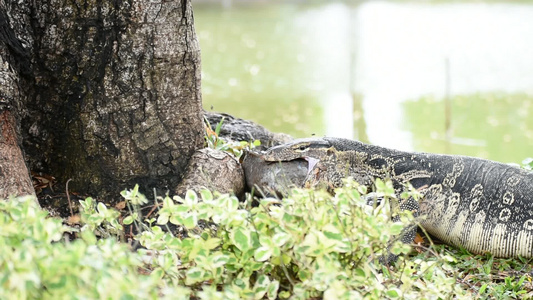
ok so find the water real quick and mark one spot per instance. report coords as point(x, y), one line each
point(377, 72)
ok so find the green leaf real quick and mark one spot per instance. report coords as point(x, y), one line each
point(194, 275)
point(393, 293)
point(334, 236)
point(262, 253)
point(399, 248)
point(240, 283)
point(241, 238)
point(219, 260)
point(359, 272)
point(88, 237)
point(162, 219)
point(169, 203)
point(396, 228)
point(174, 243)
point(129, 219)
point(284, 295)
point(266, 241)
point(212, 243)
point(87, 203)
point(190, 198)
point(482, 289)
point(219, 125)
point(102, 209)
point(272, 289)
point(261, 286)
point(280, 238)
point(134, 196)
point(304, 274)
point(286, 259)
point(135, 191)
point(190, 221)
point(206, 195)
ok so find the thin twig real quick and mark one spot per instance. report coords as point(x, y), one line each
point(154, 207)
point(68, 198)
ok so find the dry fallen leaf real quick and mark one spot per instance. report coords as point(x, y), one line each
point(419, 239)
point(41, 181)
point(210, 131)
point(75, 219)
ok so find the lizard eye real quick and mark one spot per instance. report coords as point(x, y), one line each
point(302, 147)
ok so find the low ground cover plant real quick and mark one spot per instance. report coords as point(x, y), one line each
point(309, 245)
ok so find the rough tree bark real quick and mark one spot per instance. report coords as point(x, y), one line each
point(14, 175)
point(108, 91)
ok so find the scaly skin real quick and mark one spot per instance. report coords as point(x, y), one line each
point(481, 205)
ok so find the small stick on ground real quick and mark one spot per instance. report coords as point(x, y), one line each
point(68, 197)
point(153, 209)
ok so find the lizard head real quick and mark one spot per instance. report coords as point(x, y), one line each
point(316, 148)
point(305, 162)
point(312, 150)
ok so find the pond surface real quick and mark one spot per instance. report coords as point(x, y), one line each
point(447, 77)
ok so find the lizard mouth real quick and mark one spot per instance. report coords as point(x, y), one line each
point(311, 162)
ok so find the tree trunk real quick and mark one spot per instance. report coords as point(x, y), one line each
point(110, 91)
point(14, 175)
point(214, 170)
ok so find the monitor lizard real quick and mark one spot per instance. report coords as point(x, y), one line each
point(480, 205)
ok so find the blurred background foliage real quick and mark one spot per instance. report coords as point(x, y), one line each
point(438, 76)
